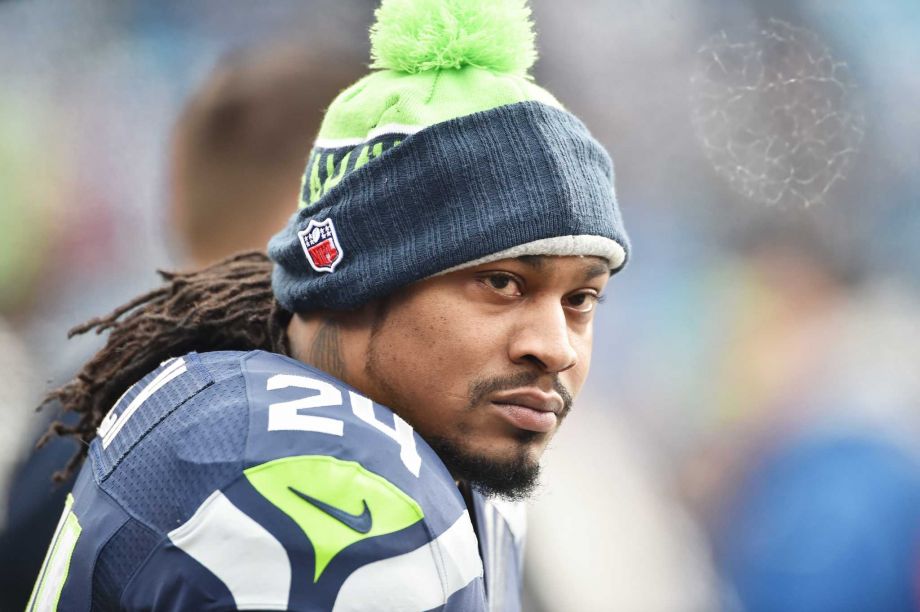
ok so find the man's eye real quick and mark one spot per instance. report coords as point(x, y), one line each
point(583, 302)
point(503, 283)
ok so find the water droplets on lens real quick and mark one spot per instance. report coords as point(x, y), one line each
point(778, 117)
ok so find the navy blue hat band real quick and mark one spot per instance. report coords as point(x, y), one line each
point(521, 179)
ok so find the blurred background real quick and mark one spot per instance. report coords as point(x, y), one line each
point(748, 439)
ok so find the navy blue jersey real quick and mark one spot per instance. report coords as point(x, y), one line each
point(250, 481)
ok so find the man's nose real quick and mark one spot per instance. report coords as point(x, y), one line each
point(542, 337)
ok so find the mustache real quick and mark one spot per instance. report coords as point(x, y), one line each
point(481, 388)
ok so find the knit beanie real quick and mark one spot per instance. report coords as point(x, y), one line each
point(446, 156)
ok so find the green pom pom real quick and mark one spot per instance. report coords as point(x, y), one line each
point(418, 35)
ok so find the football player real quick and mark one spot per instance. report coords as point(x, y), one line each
point(352, 423)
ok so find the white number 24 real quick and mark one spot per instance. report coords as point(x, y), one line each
point(286, 416)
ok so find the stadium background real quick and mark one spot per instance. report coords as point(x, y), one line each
point(748, 436)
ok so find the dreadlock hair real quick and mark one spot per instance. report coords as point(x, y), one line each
point(226, 306)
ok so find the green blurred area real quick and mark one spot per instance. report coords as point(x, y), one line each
point(29, 187)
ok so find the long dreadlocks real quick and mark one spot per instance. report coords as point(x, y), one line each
point(227, 306)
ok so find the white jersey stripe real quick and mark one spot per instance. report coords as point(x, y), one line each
point(47, 592)
point(258, 579)
point(419, 580)
point(174, 369)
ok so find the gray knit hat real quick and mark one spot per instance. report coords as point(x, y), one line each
point(446, 157)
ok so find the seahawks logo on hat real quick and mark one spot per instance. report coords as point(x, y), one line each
point(321, 245)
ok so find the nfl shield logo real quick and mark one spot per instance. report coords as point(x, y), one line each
point(321, 245)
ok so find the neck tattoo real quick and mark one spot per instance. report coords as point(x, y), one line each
point(326, 350)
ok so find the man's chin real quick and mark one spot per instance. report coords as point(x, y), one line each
point(513, 477)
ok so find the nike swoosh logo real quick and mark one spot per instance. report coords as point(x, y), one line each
point(359, 522)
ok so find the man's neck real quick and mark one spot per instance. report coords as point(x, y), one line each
point(334, 342)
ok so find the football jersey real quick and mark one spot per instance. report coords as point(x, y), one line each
point(251, 481)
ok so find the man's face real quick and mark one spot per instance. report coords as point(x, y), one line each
point(484, 362)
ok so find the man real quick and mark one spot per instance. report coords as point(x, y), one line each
point(357, 416)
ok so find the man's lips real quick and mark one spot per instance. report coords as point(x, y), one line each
point(534, 399)
point(532, 410)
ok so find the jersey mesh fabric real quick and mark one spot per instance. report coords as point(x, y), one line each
point(117, 562)
point(189, 454)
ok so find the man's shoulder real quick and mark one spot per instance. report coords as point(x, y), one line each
point(175, 435)
point(200, 422)
point(321, 483)
point(183, 394)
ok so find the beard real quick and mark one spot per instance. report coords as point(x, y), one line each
point(513, 479)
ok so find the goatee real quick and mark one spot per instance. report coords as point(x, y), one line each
point(512, 479)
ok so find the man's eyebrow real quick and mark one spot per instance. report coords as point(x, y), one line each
point(596, 269)
point(533, 261)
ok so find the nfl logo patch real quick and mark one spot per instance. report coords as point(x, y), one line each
point(321, 245)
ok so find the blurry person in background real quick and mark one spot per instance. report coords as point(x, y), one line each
point(29, 194)
point(28, 197)
point(810, 483)
point(825, 520)
point(237, 151)
point(238, 148)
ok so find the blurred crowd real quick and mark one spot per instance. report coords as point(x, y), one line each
point(748, 439)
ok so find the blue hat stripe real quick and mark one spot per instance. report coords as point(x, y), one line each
point(453, 193)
